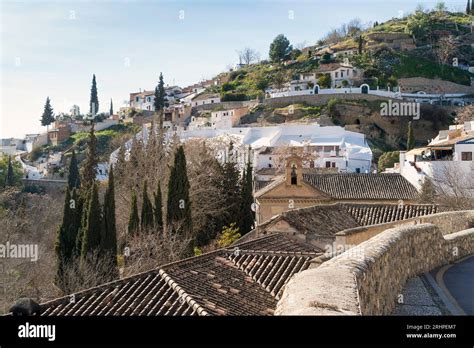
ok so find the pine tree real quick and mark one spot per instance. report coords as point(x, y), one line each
point(134, 220)
point(10, 177)
point(147, 210)
point(247, 215)
point(158, 211)
point(179, 204)
point(410, 137)
point(48, 116)
point(111, 111)
point(468, 7)
point(231, 187)
point(93, 224)
point(74, 180)
point(94, 100)
point(360, 42)
point(89, 169)
point(108, 241)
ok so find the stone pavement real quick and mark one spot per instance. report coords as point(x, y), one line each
point(419, 298)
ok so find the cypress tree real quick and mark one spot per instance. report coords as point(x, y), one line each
point(77, 211)
point(179, 204)
point(89, 169)
point(74, 180)
point(472, 7)
point(231, 187)
point(248, 218)
point(410, 137)
point(134, 220)
point(111, 111)
point(159, 102)
point(147, 210)
point(92, 227)
point(94, 100)
point(48, 116)
point(65, 240)
point(10, 177)
point(468, 7)
point(108, 239)
point(121, 162)
point(158, 211)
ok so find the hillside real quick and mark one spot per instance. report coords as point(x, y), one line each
point(417, 45)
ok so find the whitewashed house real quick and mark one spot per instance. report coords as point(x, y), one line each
point(205, 98)
point(452, 151)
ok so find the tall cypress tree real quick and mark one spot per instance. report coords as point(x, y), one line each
point(10, 177)
point(89, 169)
point(147, 210)
point(179, 204)
point(65, 240)
point(472, 7)
point(74, 180)
point(159, 102)
point(93, 224)
point(410, 137)
point(111, 111)
point(468, 7)
point(48, 116)
point(231, 186)
point(134, 220)
point(247, 215)
point(158, 210)
point(94, 99)
point(77, 211)
point(108, 241)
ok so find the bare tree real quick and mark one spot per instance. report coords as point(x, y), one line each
point(248, 56)
point(447, 50)
point(455, 186)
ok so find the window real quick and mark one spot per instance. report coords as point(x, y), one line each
point(328, 164)
point(137, 99)
point(357, 170)
point(294, 178)
point(333, 164)
point(342, 73)
point(337, 74)
point(466, 156)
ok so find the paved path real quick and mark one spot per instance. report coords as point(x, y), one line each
point(458, 280)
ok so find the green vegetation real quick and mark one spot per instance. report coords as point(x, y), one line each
point(94, 99)
point(387, 160)
point(414, 66)
point(229, 235)
point(10, 172)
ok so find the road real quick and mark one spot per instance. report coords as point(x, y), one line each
point(457, 281)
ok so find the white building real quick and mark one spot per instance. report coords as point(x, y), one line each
point(451, 152)
point(205, 98)
point(331, 147)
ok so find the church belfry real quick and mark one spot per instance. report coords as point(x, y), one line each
point(294, 171)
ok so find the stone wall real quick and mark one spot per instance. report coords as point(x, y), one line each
point(367, 279)
point(447, 222)
point(318, 99)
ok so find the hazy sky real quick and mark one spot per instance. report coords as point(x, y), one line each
point(52, 48)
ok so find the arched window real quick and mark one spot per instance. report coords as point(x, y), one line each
point(294, 177)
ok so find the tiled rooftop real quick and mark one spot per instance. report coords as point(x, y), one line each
point(246, 279)
point(363, 186)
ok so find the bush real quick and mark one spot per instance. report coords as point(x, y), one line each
point(387, 160)
point(229, 235)
point(233, 97)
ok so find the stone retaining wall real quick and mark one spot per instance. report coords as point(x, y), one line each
point(367, 279)
point(319, 99)
point(447, 222)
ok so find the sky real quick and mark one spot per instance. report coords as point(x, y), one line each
point(52, 48)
